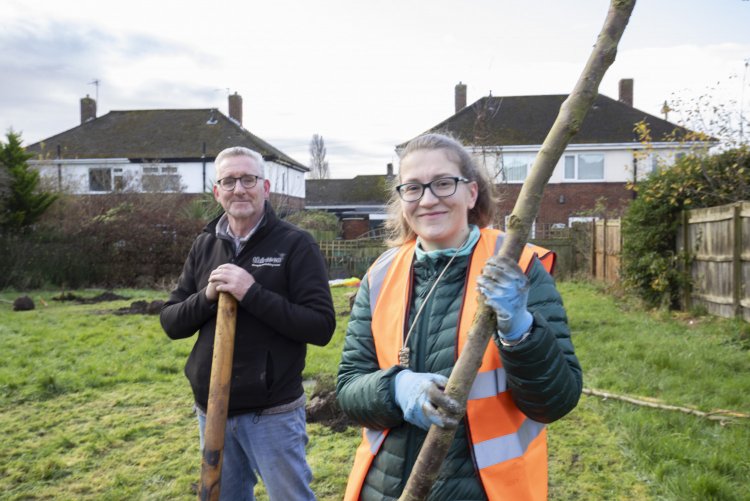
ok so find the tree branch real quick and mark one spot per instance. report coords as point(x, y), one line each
point(721, 415)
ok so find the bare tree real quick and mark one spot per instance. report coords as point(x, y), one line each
point(318, 162)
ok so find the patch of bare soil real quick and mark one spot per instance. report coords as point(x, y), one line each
point(141, 308)
point(322, 407)
point(104, 296)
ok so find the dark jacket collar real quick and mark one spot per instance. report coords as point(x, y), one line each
point(269, 217)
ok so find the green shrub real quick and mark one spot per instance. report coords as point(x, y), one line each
point(651, 264)
point(112, 240)
point(321, 224)
point(314, 220)
point(22, 201)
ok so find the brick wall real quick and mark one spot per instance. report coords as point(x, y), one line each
point(285, 203)
point(562, 201)
point(354, 228)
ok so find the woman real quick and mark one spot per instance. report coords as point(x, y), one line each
point(410, 320)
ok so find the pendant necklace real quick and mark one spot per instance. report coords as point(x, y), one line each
point(403, 353)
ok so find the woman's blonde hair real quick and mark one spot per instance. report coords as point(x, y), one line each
point(483, 213)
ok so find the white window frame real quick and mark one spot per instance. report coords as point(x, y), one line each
point(504, 161)
point(646, 163)
point(576, 174)
point(166, 178)
point(105, 173)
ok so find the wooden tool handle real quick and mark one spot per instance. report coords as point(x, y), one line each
point(218, 398)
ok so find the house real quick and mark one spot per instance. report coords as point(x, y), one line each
point(359, 202)
point(505, 133)
point(158, 151)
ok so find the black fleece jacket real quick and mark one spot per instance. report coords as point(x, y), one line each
point(288, 306)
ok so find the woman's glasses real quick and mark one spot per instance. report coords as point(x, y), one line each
point(441, 188)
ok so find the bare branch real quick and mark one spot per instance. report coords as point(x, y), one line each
point(318, 163)
point(721, 415)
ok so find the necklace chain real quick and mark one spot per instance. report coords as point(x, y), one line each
point(404, 352)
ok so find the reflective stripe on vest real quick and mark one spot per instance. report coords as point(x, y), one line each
point(375, 439)
point(510, 449)
point(376, 274)
point(506, 447)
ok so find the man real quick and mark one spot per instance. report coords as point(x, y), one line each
point(279, 278)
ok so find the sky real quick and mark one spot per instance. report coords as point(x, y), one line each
point(364, 75)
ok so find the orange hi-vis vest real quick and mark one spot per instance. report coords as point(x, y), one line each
point(509, 449)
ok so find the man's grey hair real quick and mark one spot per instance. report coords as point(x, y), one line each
point(240, 151)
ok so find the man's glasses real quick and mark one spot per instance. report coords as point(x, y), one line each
point(248, 181)
point(441, 188)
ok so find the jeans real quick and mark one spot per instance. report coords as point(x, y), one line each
point(269, 446)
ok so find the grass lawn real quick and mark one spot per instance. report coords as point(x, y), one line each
point(94, 405)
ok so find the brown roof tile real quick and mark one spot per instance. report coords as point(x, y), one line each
point(526, 120)
point(157, 135)
point(361, 190)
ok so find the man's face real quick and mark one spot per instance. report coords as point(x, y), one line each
point(243, 205)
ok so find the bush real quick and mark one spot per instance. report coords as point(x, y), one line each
point(651, 265)
point(120, 240)
point(323, 225)
point(314, 220)
point(22, 202)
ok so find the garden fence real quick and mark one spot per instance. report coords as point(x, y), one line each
point(352, 258)
point(718, 257)
point(606, 249)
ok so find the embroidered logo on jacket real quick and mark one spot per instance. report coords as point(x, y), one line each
point(273, 262)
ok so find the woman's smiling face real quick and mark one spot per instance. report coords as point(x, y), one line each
point(441, 223)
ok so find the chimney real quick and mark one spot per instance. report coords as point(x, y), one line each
point(235, 107)
point(88, 109)
point(460, 96)
point(389, 170)
point(626, 91)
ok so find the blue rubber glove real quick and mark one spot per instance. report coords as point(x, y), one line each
point(506, 289)
point(421, 398)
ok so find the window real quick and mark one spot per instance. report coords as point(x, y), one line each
point(120, 183)
point(645, 163)
point(516, 166)
point(158, 178)
point(100, 179)
point(584, 166)
point(570, 167)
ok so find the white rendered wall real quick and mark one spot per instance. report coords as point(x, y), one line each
point(618, 160)
point(75, 175)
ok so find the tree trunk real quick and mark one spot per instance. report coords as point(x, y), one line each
point(571, 115)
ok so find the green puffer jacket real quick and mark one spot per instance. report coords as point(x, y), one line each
point(543, 375)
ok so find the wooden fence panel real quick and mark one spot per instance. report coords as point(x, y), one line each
point(718, 244)
point(350, 258)
point(607, 249)
point(564, 247)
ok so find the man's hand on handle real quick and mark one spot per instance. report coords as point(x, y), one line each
point(228, 278)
